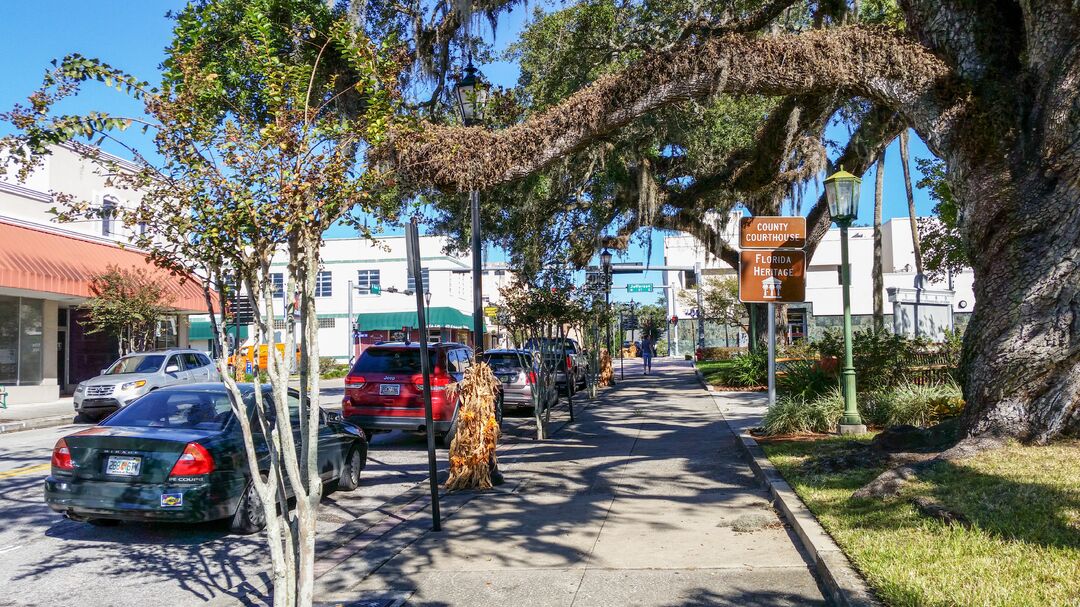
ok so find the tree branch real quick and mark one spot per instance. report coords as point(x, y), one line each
point(883, 66)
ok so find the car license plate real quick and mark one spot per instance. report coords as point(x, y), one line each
point(123, 466)
point(390, 389)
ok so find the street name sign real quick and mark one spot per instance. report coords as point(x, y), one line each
point(772, 232)
point(639, 288)
point(774, 276)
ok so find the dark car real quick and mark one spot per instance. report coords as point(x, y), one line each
point(177, 454)
point(384, 390)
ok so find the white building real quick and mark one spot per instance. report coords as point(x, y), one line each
point(390, 313)
point(824, 306)
point(45, 273)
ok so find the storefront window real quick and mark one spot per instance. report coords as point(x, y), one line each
point(9, 340)
point(31, 318)
point(21, 340)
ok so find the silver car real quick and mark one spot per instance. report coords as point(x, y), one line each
point(518, 370)
point(138, 373)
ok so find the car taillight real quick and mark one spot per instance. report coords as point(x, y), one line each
point(61, 456)
point(530, 378)
point(355, 381)
point(193, 461)
point(440, 382)
point(569, 362)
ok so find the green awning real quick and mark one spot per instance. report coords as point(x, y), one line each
point(200, 331)
point(393, 321)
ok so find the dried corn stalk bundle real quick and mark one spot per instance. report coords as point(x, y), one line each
point(472, 451)
point(607, 371)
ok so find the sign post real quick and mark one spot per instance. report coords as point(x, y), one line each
point(772, 269)
point(412, 246)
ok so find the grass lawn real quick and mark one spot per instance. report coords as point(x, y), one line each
point(1022, 548)
point(713, 371)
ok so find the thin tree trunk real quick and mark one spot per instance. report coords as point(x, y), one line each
point(878, 276)
point(917, 248)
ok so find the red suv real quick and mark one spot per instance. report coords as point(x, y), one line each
point(385, 388)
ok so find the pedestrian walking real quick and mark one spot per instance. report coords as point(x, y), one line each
point(647, 354)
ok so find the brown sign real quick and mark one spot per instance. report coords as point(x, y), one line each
point(775, 276)
point(772, 232)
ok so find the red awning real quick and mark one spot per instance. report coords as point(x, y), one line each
point(37, 260)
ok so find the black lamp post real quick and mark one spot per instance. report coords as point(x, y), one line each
point(471, 94)
point(605, 264)
point(427, 308)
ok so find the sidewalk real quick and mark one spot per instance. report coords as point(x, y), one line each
point(36, 415)
point(645, 500)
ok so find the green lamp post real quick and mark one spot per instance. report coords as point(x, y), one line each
point(842, 190)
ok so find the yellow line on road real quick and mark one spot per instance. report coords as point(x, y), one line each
point(26, 470)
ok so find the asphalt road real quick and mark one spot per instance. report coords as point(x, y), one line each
point(48, 560)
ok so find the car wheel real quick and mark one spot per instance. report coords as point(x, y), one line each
point(249, 517)
point(448, 438)
point(368, 434)
point(499, 412)
point(350, 474)
point(103, 522)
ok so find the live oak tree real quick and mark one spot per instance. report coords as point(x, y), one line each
point(990, 87)
point(260, 129)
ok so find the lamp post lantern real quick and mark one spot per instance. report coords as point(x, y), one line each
point(842, 191)
point(471, 95)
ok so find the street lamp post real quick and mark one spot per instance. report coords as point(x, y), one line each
point(471, 93)
point(427, 308)
point(605, 263)
point(842, 190)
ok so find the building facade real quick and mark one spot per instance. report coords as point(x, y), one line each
point(382, 297)
point(45, 273)
point(823, 309)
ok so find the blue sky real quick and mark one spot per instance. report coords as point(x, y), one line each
point(132, 36)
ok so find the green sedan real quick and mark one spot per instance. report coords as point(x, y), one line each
point(177, 454)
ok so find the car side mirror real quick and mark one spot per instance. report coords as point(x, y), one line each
point(330, 416)
point(104, 371)
point(172, 368)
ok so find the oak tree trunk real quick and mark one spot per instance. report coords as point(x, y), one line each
point(1022, 347)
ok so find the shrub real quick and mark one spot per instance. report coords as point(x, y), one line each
point(719, 353)
point(797, 415)
point(326, 364)
point(804, 379)
point(880, 357)
point(913, 405)
point(746, 370)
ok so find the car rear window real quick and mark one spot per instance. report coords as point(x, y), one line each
point(178, 409)
point(397, 360)
point(503, 360)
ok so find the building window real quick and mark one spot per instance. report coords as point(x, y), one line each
point(166, 336)
point(365, 279)
point(327, 323)
point(142, 228)
point(108, 214)
point(279, 284)
point(323, 287)
point(423, 276)
point(500, 272)
point(280, 324)
point(22, 324)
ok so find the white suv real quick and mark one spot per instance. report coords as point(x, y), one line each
point(138, 373)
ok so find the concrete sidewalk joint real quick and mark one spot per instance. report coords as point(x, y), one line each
point(841, 582)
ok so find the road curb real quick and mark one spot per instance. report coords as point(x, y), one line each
point(36, 423)
point(839, 580)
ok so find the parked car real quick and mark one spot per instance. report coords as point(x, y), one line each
point(137, 374)
point(522, 383)
point(177, 454)
point(384, 390)
point(568, 356)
